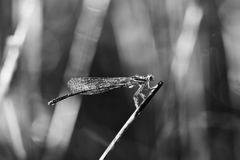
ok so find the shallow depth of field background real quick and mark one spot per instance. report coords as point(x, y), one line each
point(192, 46)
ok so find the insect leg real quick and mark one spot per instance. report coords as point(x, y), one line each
point(148, 86)
point(137, 93)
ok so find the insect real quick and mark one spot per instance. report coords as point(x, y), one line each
point(96, 85)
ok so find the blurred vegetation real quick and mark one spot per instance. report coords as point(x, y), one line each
point(192, 46)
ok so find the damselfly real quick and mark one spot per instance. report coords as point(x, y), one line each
point(96, 85)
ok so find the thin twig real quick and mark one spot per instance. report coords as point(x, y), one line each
point(131, 119)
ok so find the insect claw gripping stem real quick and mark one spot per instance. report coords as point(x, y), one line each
point(136, 94)
point(143, 96)
point(135, 101)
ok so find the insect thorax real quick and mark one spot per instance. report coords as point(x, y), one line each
point(139, 80)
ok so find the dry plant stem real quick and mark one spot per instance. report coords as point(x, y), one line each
point(131, 119)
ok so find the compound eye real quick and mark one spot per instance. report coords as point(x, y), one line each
point(151, 77)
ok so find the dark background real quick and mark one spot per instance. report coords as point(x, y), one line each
point(192, 46)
